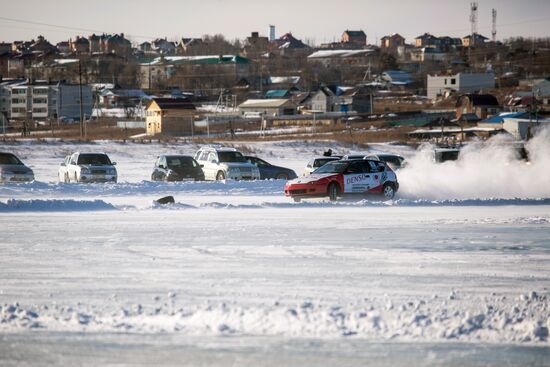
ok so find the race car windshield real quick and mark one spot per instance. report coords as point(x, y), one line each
point(332, 167)
point(231, 157)
point(9, 159)
point(94, 159)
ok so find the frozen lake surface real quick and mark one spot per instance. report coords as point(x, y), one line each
point(236, 274)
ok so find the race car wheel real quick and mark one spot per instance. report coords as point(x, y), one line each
point(388, 191)
point(220, 176)
point(282, 176)
point(333, 191)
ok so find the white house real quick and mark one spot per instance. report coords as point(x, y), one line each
point(461, 82)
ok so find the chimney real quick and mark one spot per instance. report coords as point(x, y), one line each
point(254, 35)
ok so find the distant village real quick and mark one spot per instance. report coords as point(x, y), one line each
point(426, 87)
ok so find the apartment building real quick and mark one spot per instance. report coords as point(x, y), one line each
point(42, 100)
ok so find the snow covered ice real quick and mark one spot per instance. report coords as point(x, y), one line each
point(457, 266)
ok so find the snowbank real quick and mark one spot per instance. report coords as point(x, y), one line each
point(13, 205)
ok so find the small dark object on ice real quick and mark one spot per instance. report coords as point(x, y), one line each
point(166, 200)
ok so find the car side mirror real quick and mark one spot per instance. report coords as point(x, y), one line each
point(215, 162)
point(113, 163)
point(63, 164)
point(201, 165)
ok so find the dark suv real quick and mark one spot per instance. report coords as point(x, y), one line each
point(177, 168)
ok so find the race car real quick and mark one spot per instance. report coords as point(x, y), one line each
point(343, 178)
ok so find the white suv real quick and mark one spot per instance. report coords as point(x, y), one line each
point(220, 163)
point(87, 167)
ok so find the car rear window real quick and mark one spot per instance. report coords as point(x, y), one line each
point(231, 157)
point(391, 159)
point(322, 161)
point(94, 159)
point(181, 162)
point(6, 158)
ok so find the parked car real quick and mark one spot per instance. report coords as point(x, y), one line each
point(267, 170)
point(177, 168)
point(317, 162)
point(87, 167)
point(220, 163)
point(13, 170)
point(395, 161)
point(441, 155)
point(342, 178)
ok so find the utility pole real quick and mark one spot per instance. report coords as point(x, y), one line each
point(80, 93)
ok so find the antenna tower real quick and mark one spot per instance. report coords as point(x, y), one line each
point(473, 17)
point(494, 30)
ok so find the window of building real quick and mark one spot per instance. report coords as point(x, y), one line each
point(445, 82)
point(453, 81)
point(39, 100)
point(18, 100)
point(39, 110)
point(19, 91)
point(40, 91)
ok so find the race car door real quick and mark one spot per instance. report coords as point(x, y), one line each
point(378, 175)
point(358, 178)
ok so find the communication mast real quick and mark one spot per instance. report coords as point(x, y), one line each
point(271, 33)
point(494, 30)
point(473, 17)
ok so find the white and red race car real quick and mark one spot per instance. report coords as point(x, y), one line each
point(345, 177)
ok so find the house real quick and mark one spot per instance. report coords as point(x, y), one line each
point(391, 43)
point(169, 116)
point(278, 93)
point(116, 44)
point(5, 47)
point(189, 45)
point(438, 85)
point(473, 40)
point(358, 99)
point(268, 107)
point(482, 105)
point(428, 54)
point(194, 72)
point(80, 45)
point(122, 97)
point(341, 57)
point(354, 39)
point(145, 47)
point(426, 40)
point(256, 45)
point(287, 44)
point(42, 45)
point(95, 43)
point(518, 124)
point(63, 47)
point(163, 46)
point(323, 100)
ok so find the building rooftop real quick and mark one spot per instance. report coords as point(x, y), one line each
point(264, 103)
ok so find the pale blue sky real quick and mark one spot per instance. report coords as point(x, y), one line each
point(319, 20)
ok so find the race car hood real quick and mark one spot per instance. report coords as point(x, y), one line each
point(311, 178)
